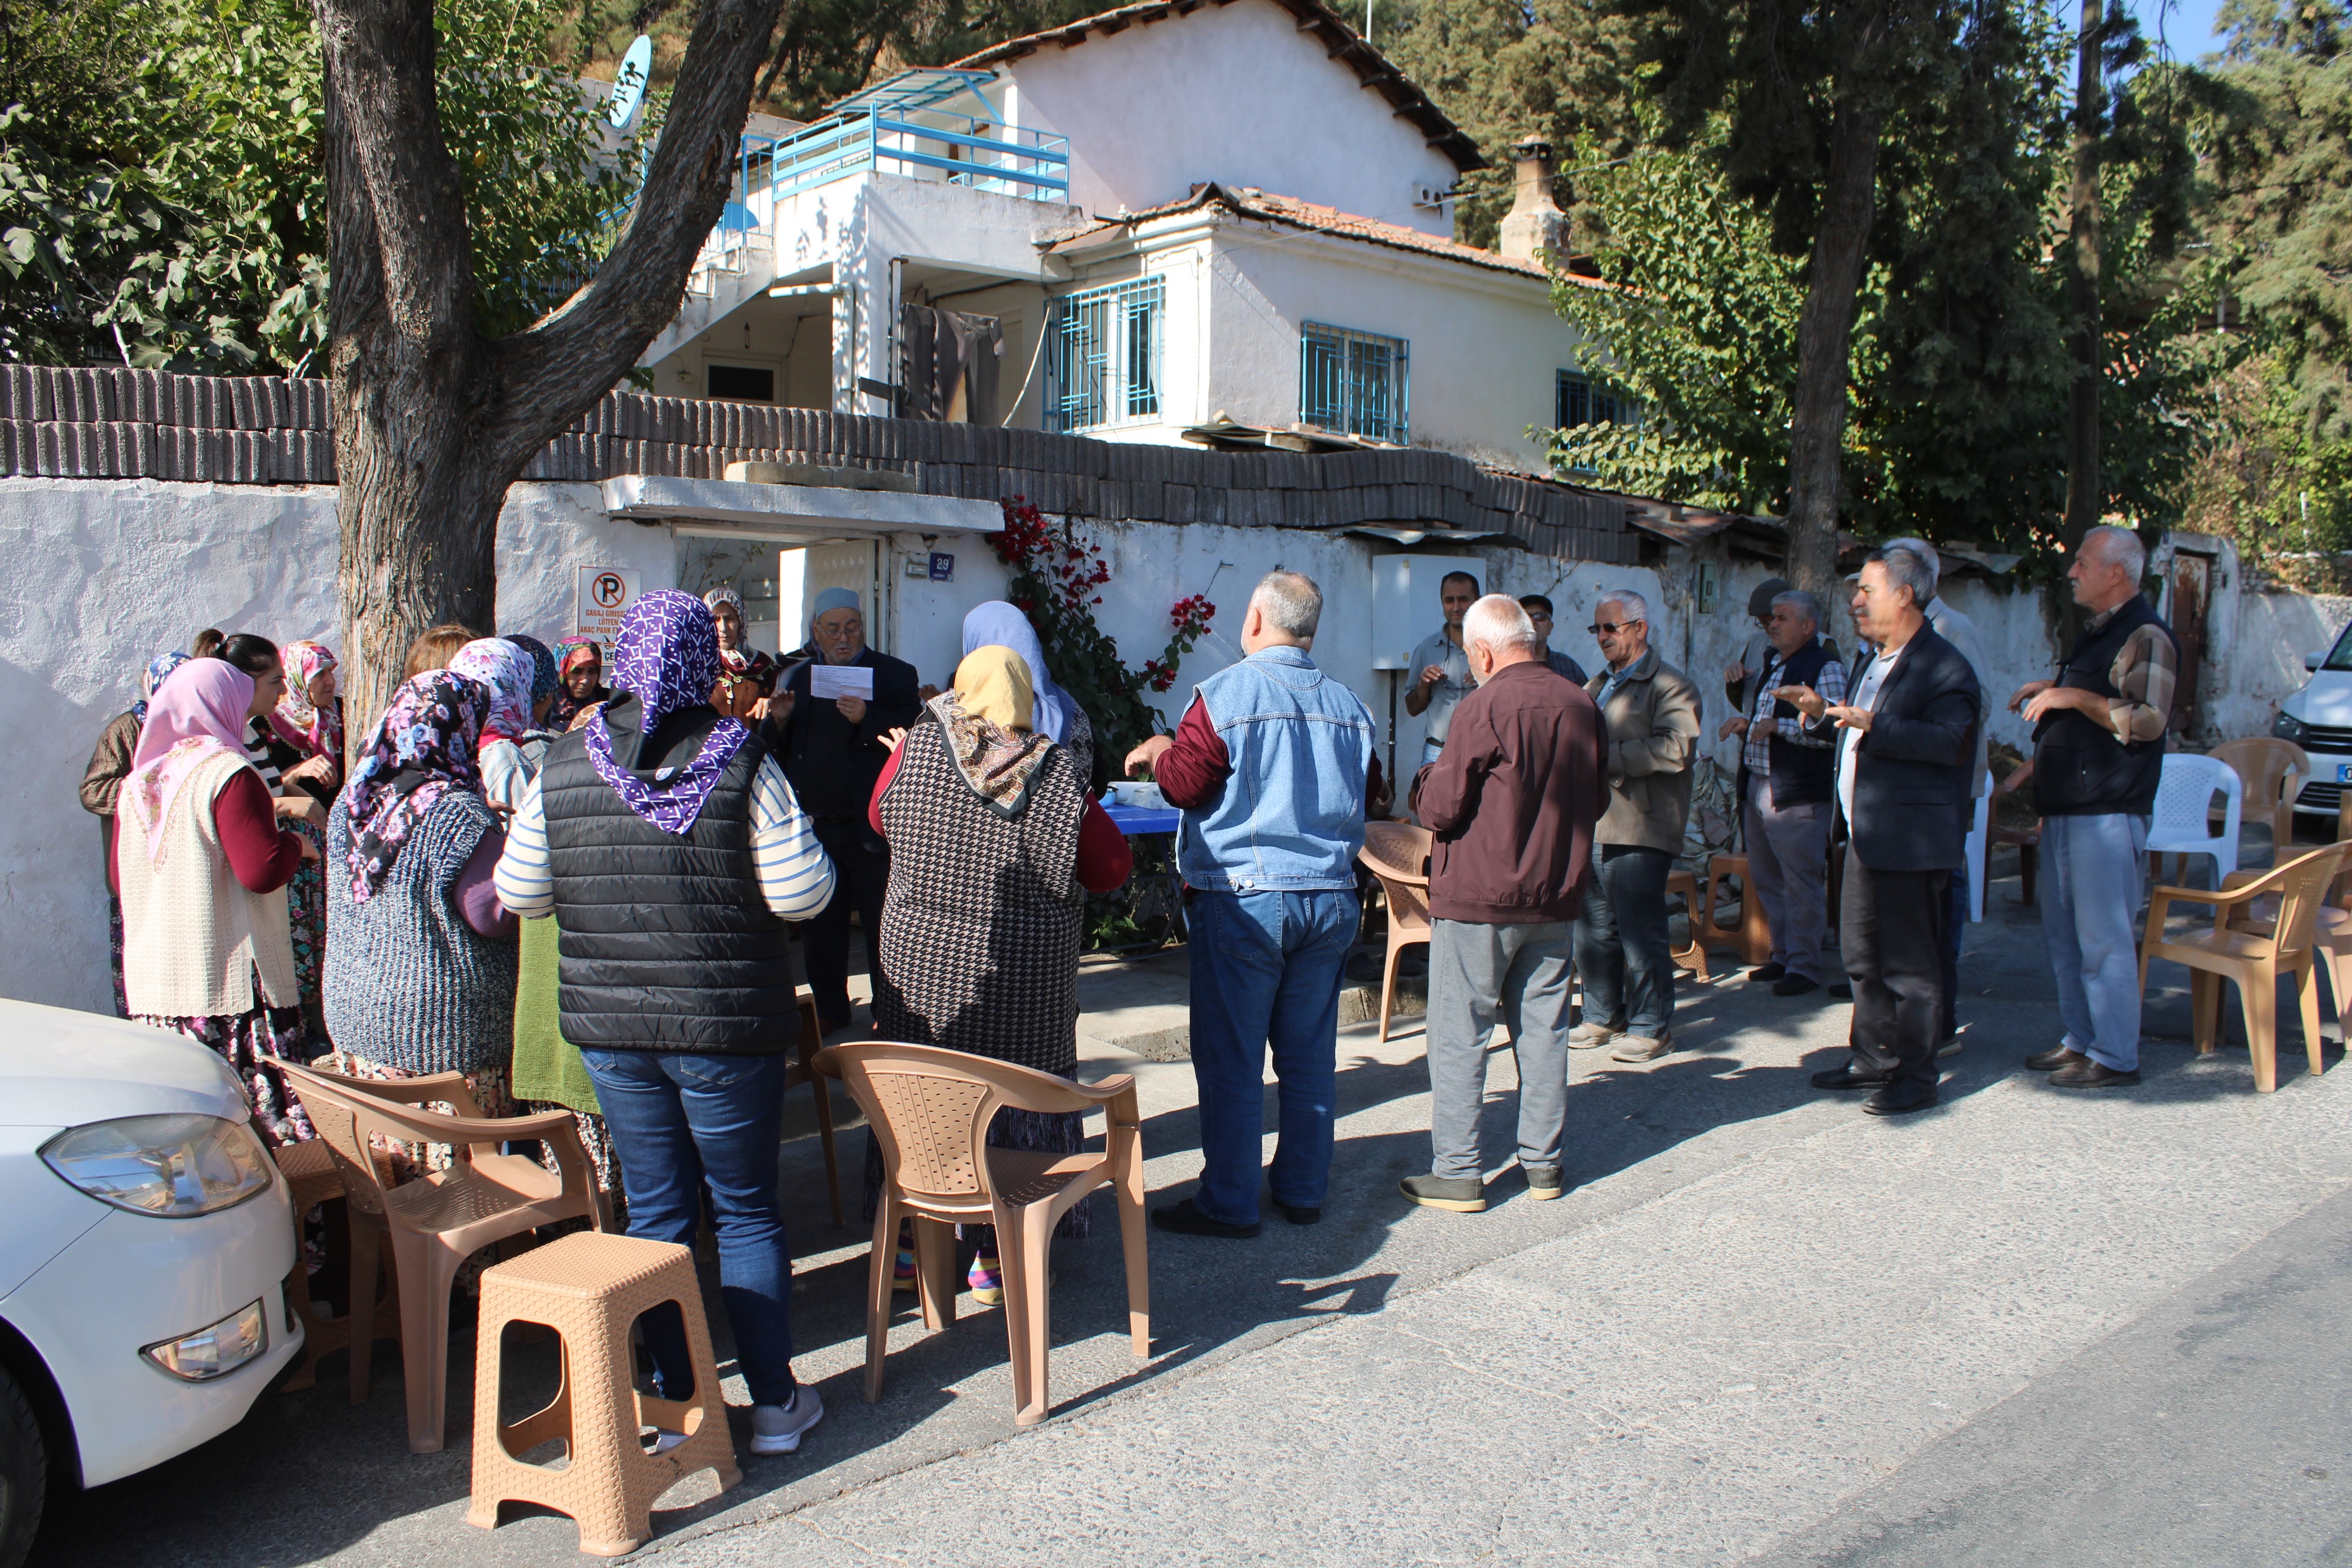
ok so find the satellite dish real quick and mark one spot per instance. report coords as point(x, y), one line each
point(629, 86)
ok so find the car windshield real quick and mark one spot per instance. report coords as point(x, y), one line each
point(2340, 656)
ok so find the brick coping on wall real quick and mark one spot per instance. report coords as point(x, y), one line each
point(116, 424)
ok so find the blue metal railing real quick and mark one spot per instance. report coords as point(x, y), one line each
point(967, 150)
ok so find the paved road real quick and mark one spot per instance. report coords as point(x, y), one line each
point(1760, 1324)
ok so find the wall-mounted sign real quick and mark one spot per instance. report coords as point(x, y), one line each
point(629, 84)
point(605, 594)
point(942, 566)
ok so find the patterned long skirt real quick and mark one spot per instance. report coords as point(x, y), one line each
point(410, 1161)
point(306, 915)
point(254, 1043)
point(597, 1139)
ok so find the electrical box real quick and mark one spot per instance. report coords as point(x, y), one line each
point(1405, 607)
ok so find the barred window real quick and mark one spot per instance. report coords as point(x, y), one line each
point(1358, 383)
point(1103, 355)
point(1579, 402)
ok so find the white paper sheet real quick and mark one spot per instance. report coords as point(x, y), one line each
point(831, 680)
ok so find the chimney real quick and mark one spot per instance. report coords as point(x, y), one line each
point(1535, 223)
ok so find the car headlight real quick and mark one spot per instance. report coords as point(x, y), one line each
point(2287, 727)
point(214, 1350)
point(172, 1166)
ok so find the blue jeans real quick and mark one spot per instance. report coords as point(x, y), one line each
point(2091, 887)
point(680, 1122)
point(1622, 953)
point(1266, 971)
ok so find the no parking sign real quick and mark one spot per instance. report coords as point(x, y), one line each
point(605, 594)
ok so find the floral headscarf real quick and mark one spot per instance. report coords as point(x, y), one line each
point(423, 747)
point(162, 665)
point(314, 732)
point(570, 655)
point(987, 717)
point(668, 657)
point(543, 676)
point(506, 671)
point(197, 713)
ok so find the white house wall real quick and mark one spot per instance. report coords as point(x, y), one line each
point(1485, 347)
point(106, 573)
point(1232, 93)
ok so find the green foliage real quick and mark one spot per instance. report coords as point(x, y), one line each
point(171, 211)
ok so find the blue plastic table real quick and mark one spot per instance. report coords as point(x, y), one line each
point(1139, 821)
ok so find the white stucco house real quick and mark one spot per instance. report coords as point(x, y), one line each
point(1174, 211)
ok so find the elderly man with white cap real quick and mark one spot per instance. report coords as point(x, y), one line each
point(833, 751)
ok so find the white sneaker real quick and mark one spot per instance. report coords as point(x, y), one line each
point(778, 1429)
point(665, 1440)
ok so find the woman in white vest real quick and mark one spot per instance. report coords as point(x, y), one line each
point(202, 866)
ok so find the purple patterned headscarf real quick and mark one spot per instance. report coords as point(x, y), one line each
point(422, 747)
point(668, 657)
point(506, 671)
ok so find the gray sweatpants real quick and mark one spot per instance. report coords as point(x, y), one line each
point(1475, 973)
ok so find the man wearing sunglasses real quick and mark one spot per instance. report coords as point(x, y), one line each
point(1622, 954)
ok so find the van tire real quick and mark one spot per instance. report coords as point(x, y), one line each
point(24, 1472)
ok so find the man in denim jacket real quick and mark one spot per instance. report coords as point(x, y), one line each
point(1266, 767)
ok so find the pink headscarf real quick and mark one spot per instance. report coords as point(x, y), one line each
point(197, 712)
point(313, 732)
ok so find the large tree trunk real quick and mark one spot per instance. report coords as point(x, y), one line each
point(433, 422)
point(2085, 498)
point(1824, 340)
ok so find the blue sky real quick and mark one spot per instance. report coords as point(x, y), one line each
point(2187, 24)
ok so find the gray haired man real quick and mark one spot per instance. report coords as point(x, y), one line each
point(1784, 792)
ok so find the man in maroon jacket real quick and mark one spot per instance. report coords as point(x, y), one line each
point(1512, 800)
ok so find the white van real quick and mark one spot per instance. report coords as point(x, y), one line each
point(2319, 719)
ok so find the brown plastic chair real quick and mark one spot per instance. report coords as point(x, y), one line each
point(929, 1110)
point(2027, 840)
point(312, 1179)
point(1751, 939)
point(2273, 772)
point(1398, 854)
point(591, 1288)
point(2253, 958)
point(799, 1070)
point(1692, 955)
point(437, 1221)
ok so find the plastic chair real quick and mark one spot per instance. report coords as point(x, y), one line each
point(929, 1110)
point(312, 1179)
point(2028, 840)
point(1691, 955)
point(2253, 958)
point(2183, 824)
point(1398, 854)
point(1978, 846)
point(2273, 772)
point(802, 1071)
point(590, 1290)
point(438, 1221)
point(1751, 939)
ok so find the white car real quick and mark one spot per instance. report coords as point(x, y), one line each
point(145, 1241)
point(2319, 719)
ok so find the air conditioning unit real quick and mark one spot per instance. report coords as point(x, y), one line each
point(1435, 198)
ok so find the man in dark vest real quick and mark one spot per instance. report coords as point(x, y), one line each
point(1784, 792)
point(2098, 752)
point(668, 843)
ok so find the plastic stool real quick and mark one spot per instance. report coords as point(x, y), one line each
point(589, 1288)
point(312, 1179)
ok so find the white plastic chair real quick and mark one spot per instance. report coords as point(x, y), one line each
point(1979, 837)
point(2184, 799)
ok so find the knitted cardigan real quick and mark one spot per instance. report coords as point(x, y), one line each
point(408, 983)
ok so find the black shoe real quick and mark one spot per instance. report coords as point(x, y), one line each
point(1842, 991)
point(1767, 971)
point(1301, 1213)
point(2091, 1073)
point(1900, 1099)
point(1185, 1218)
point(2053, 1058)
point(1460, 1194)
point(1795, 985)
point(1544, 1181)
point(1846, 1078)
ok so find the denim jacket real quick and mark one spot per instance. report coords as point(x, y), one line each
point(1291, 815)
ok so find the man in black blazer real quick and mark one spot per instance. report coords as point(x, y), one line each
point(1906, 735)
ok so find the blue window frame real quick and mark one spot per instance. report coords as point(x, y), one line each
point(1579, 402)
point(1357, 382)
point(1103, 350)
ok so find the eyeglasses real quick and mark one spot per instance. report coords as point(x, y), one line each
point(1599, 628)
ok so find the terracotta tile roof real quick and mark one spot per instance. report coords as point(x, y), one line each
point(1371, 67)
point(1267, 206)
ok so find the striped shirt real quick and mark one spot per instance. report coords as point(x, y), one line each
point(1758, 751)
point(795, 875)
